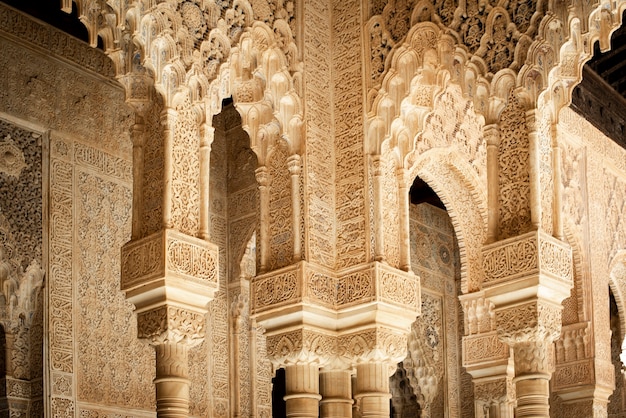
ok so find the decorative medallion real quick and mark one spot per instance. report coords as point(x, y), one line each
point(12, 160)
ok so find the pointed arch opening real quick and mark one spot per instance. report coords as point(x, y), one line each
point(429, 378)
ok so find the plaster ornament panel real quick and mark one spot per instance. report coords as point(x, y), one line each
point(528, 254)
point(21, 194)
point(348, 121)
point(544, 134)
point(55, 42)
point(483, 348)
point(513, 171)
point(391, 206)
point(102, 212)
point(320, 150)
point(280, 211)
point(573, 374)
point(307, 283)
point(153, 170)
point(188, 264)
point(276, 290)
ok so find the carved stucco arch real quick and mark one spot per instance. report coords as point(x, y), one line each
point(544, 69)
point(617, 284)
point(582, 295)
point(421, 71)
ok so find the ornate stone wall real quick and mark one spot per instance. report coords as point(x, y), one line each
point(21, 274)
point(62, 85)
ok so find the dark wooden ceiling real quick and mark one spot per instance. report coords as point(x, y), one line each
point(601, 96)
point(611, 65)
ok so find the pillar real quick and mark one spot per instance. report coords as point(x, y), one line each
point(405, 239)
point(294, 163)
point(379, 244)
point(492, 137)
point(372, 389)
point(527, 278)
point(170, 277)
point(336, 391)
point(172, 380)
point(172, 331)
point(302, 390)
point(487, 359)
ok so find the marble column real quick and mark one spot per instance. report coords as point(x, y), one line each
point(302, 390)
point(336, 391)
point(372, 389)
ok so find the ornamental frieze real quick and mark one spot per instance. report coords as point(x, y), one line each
point(527, 254)
point(169, 253)
point(305, 282)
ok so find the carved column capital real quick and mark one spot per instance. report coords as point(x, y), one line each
point(262, 176)
point(532, 321)
point(138, 91)
point(376, 166)
point(171, 324)
point(376, 344)
point(301, 346)
point(294, 164)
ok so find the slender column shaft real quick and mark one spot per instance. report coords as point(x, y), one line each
point(492, 134)
point(534, 164)
point(302, 391)
point(372, 389)
point(172, 383)
point(294, 168)
point(264, 229)
point(253, 367)
point(405, 240)
point(558, 189)
point(168, 120)
point(235, 364)
point(138, 137)
point(206, 139)
point(336, 391)
point(533, 395)
point(379, 243)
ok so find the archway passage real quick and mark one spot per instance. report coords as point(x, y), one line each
point(432, 368)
